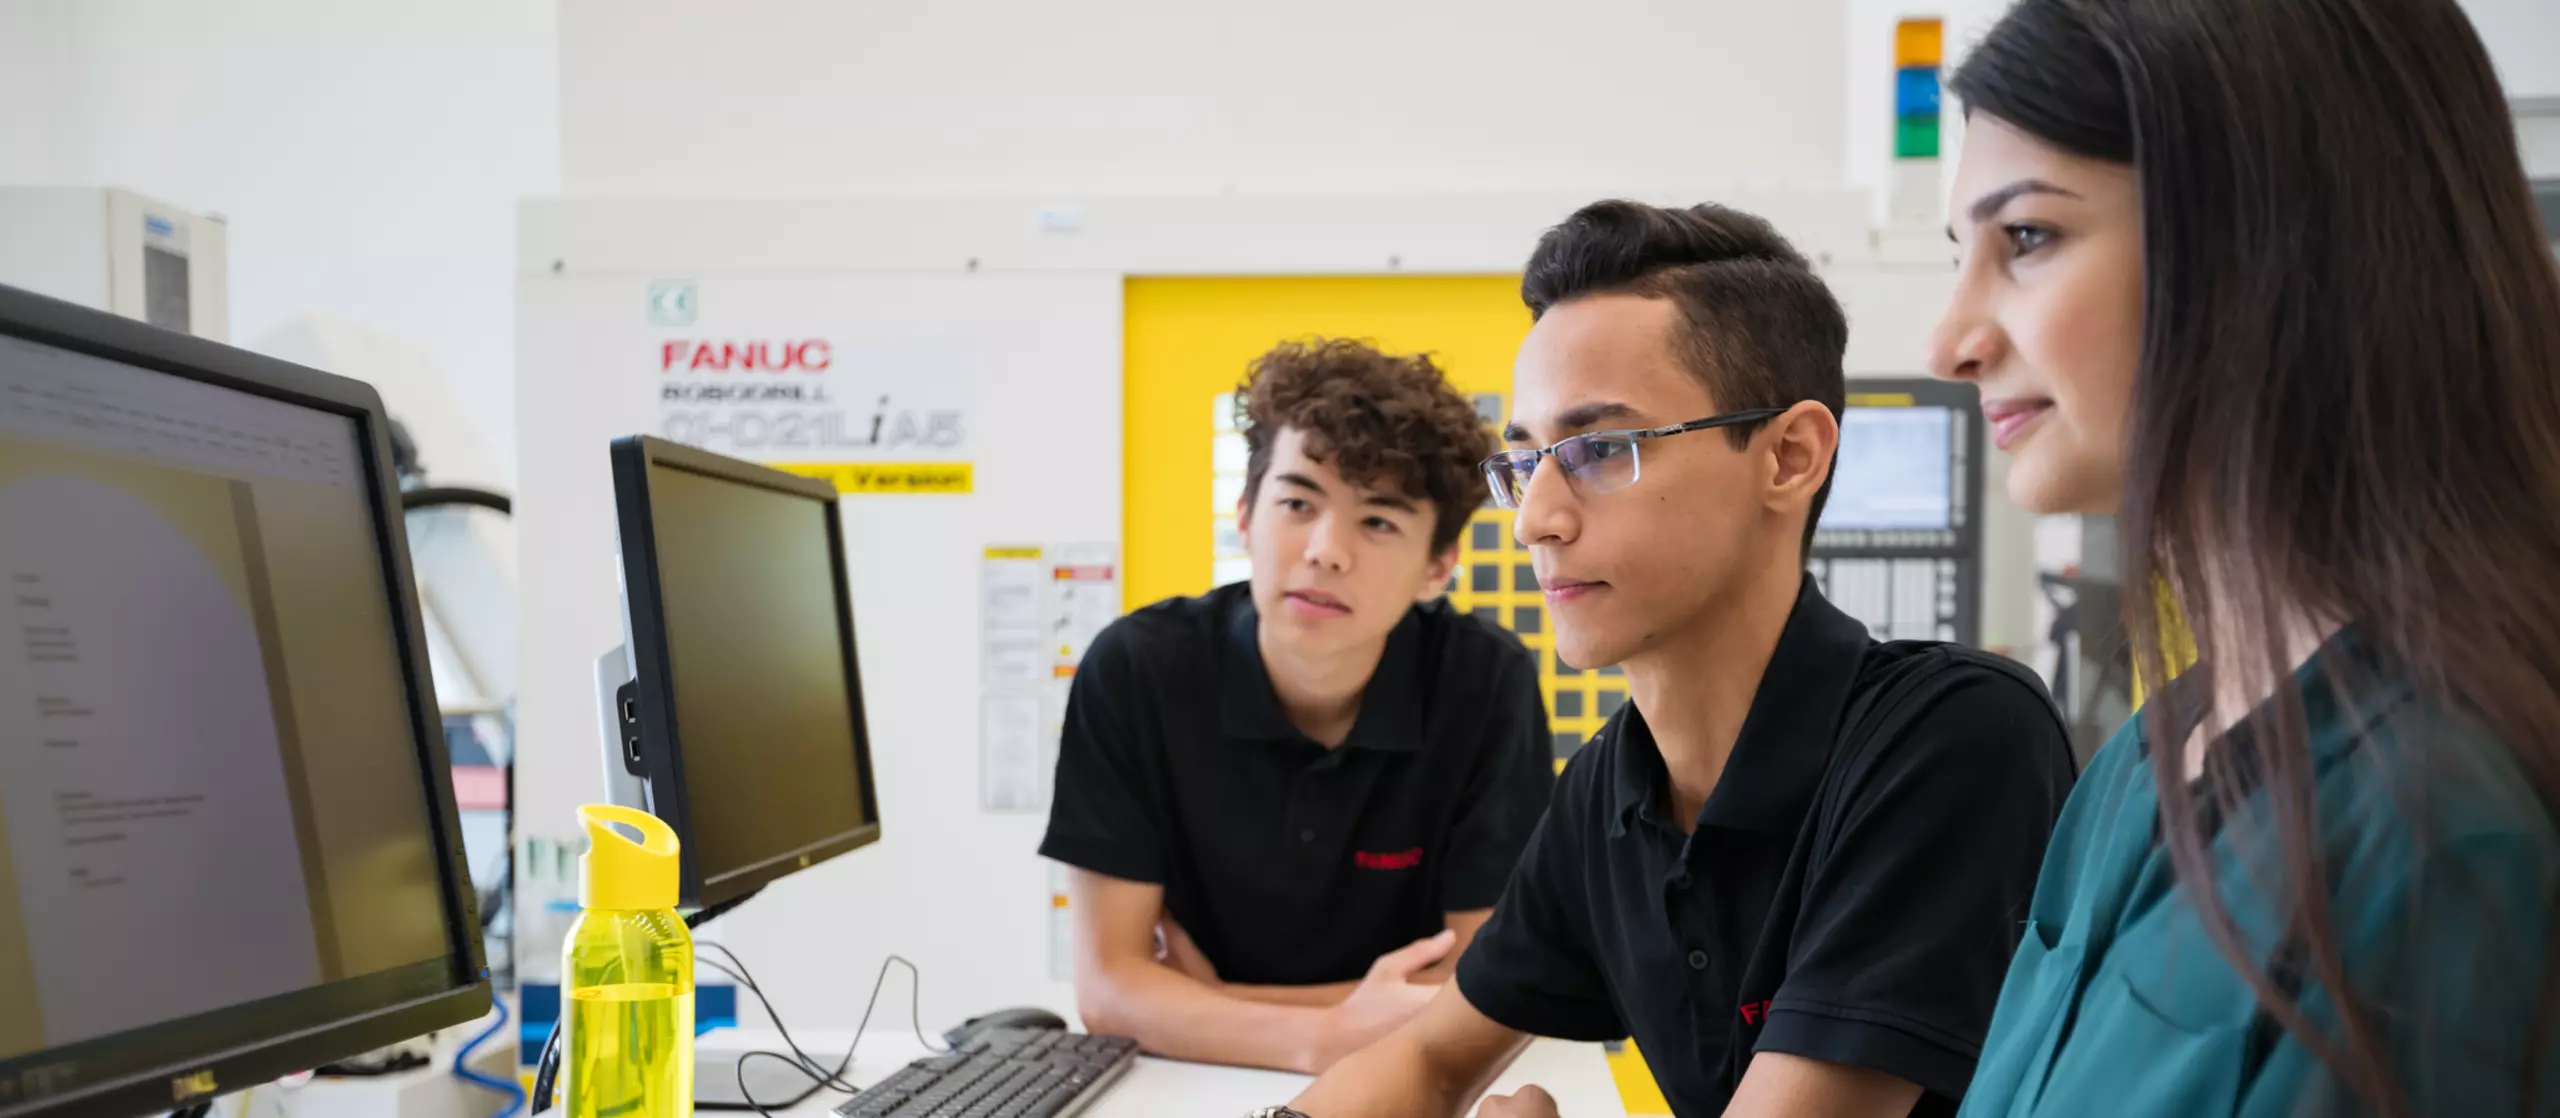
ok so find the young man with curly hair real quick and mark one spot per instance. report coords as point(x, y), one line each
point(1288, 804)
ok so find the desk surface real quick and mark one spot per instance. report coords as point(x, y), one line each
point(1576, 1074)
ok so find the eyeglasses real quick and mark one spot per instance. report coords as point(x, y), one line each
point(1597, 462)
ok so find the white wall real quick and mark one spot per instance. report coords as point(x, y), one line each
point(2524, 41)
point(768, 98)
point(368, 154)
point(39, 66)
point(2539, 134)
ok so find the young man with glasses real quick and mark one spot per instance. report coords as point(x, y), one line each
point(1793, 866)
point(1288, 804)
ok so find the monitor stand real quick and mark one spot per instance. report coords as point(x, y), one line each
point(776, 1084)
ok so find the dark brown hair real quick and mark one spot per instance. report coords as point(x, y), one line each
point(2347, 409)
point(1762, 330)
point(1375, 418)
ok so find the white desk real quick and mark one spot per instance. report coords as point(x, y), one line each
point(1576, 1074)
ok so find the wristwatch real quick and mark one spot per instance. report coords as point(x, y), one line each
point(1276, 1112)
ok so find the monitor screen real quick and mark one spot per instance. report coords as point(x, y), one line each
point(1896, 469)
point(211, 789)
point(766, 714)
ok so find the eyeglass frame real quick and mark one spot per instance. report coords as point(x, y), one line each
point(1635, 438)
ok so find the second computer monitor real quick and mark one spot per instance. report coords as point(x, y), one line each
point(1900, 543)
point(745, 715)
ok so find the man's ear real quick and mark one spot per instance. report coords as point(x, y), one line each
point(1803, 443)
point(1442, 566)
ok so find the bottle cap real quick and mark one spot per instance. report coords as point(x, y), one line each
point(617, 873)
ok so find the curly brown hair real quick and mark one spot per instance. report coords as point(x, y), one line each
point(1375, 417)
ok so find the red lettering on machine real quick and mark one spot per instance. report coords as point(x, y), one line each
point(813, 355)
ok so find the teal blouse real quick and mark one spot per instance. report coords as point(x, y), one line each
point(2441, 892)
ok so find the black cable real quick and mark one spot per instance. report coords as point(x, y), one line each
point(750, 1096)
point(747, 981)
point(808, 1064)
point(833, 1080)
point(704, 916)
point(440, 496)
point(392, 1064)
point(546, 1069)
point(836, 1081)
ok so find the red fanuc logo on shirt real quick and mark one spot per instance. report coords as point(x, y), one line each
point(1399, 860)
point(1755, 1013)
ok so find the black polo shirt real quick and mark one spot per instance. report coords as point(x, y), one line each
point(1289, 863)
point(1852, 891)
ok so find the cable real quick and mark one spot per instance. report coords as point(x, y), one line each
point(704, 916)
point(832, 1080)
point(546, 1069)
point(809, 1065)
point(747, 981)
point(399, 1060)
point(462, 1065)
point(440, 496)
point(801, 1061)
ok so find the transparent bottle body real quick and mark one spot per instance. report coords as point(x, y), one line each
point(626, 995)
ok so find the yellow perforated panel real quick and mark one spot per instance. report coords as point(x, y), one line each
point(1495, 581)
point(1188, 341)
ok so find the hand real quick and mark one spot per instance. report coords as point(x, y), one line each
point(1175, 949)
point(1384, 1001)
point(1531, 1102)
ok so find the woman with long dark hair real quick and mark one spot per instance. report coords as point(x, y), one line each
point(2263, 279)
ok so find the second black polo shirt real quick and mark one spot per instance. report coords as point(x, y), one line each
point(1289, 863)
point(1851, 893)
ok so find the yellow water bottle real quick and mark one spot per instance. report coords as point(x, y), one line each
point(626, 976)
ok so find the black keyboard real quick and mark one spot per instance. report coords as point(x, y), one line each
point(1001, 1073)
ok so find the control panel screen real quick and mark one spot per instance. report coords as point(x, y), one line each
point(1896, 470)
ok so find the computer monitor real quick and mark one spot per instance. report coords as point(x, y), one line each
point(228, 848)
point(734, 711)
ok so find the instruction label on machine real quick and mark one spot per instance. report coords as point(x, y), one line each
point(1040, 608)
point(771, 372)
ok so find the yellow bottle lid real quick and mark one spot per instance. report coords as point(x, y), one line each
point(617, 873)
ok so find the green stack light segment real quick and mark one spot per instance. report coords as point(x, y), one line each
point(1916, 49)
point(1915, 137)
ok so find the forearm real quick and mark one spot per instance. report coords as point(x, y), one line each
point(1171, 1014)
point(1394, 1078)
point(1320, 997)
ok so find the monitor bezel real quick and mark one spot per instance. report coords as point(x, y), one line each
point(352, 1015)
point(645, 635)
